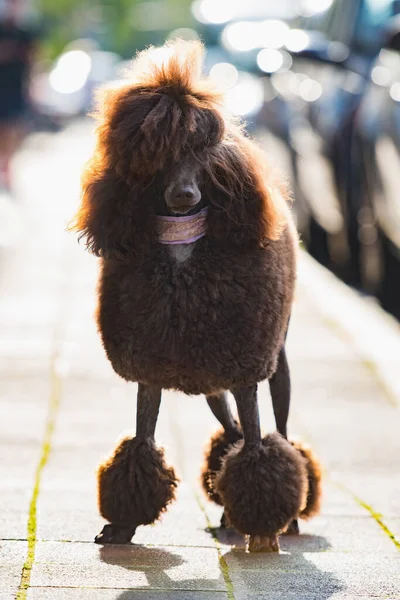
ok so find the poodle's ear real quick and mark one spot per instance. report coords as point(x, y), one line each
point(111, 219)
point(248, 205)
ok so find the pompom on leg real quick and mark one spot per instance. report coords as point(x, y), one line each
point(263, 487)
point(135, 486)
point(314, 486)
point(217, 447)
point(314, 480)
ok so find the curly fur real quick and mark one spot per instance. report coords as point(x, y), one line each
point(263, 487)
point(135, 485)
point(218, 320)
point(162, 113)
point(216, 449)
point(314, 477)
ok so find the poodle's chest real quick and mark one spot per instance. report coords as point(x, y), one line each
point(190, 298)
point(180, 253)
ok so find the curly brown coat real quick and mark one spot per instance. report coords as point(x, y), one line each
point(218, 320)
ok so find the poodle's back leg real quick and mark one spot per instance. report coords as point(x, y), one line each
point(219, 444)
point(220, 408)
point(279, 385)
point(135, 484)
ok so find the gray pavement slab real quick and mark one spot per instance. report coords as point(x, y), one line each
point(23, 410)
point(163, 568)
point(12, 557)
point(319, 574)
point(102, 594)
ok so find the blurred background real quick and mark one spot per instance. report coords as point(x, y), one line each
point(317, 81)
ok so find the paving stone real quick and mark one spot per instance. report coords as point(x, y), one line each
point(338, 502)
point(77, 565)
point(379, 488)
point(340, 534)
point(23, 412)
point(14, 513)
point(319, 574)
point(73, 515)
point(12, 558)
point(10, 578)
point(101, 594)
point(288, 595)
point(327, 534)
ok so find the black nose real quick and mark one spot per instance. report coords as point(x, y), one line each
point(186, 193)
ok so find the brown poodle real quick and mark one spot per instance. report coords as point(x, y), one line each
point(198, 270)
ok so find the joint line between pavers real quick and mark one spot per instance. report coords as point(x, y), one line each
point(222, 562)
point(375, 515)
point(372, 513)
point(54, 401)
point(223, 565)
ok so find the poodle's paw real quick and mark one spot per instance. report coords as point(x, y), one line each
point(293, 528)
point(263, 543)
point(225, 523)
point(115, 534)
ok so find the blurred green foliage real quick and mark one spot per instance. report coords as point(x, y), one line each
point(121, 26)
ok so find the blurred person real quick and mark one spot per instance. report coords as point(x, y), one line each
point(16, 57)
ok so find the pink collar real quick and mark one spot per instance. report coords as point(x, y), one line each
point(182, 230)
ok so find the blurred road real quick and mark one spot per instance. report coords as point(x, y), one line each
point(62, 408)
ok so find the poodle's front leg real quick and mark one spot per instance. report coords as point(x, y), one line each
point(135, 484)
point(262, 482)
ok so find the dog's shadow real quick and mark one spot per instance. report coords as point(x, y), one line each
point(292, 574)
point(151, 569)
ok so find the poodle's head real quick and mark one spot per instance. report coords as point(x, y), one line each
point(166, 146)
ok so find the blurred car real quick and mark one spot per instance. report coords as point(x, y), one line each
point(377, 146)
point(333, 55)
point(235, 32)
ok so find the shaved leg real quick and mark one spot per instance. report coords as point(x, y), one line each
point(220, 408)
point(280, 393)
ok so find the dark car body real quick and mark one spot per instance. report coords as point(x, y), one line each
point(322, 92)
point(377, 144)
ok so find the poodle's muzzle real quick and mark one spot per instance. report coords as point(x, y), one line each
point(182, 198)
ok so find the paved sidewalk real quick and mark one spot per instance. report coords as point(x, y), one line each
point(62, 408)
